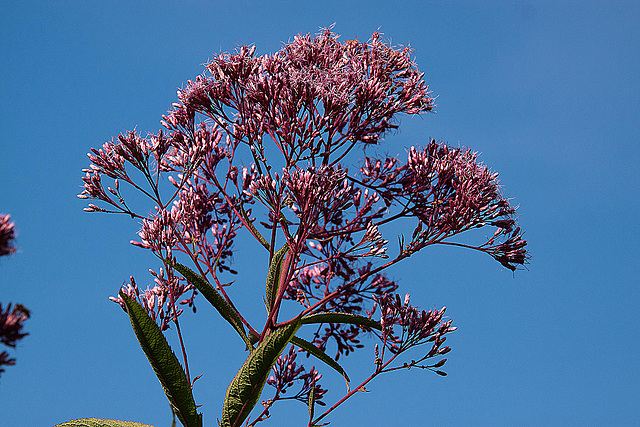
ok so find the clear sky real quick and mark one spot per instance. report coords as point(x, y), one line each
point(548, 92)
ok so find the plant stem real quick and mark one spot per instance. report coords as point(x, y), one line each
point(378, 371)
point(184, 353)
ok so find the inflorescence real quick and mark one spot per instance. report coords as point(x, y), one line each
point(261, 143)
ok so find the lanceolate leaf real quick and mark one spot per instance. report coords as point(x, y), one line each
point(94, 422)
point(273, 276)
point(330, 317)
point(164, 363)
point(245, 389)
point(226, 310)
point(312, 402)
point(307, 346)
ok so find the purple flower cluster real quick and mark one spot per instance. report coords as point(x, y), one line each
point(7, 234)
point(286, 372)
point(449, 192)
point(262, 143)
point(313, 285)
point(11, 319)
point(11, 324)
point(417, 327)
point(165, 290)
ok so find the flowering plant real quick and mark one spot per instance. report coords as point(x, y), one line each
point(259, 144)
point(11, 319)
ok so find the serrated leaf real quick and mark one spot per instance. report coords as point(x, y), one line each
point(273, 276)
point(309, 347)
point(226, 310)
point(95, 422)
point(245, 389)
point(331, 317)
point(164, 363)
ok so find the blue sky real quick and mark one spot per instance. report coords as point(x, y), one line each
point(546, 91)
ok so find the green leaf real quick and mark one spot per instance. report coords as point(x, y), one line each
point(309, 347)
point(245, 389)
point(273, 276)
point(331, 317)
point(254, 338)
point(164, 363)
point(312, 402)
point(95, 422)
point(226, 310)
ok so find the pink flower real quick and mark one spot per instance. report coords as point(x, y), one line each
point(11, 324)
point(262, 143)
point(7, 234)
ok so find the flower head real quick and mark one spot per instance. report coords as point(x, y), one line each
point(11, 324)
point(7, 234)
point(286, 372)
point(265, 141)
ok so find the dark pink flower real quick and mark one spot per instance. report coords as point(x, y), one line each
point(7, 234)
point(286, 373)
point(11, 324)
point(262, 143)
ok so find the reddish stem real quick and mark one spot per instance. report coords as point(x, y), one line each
point(354, 391)
point(184, 353)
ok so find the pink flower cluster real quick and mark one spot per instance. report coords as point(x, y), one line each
point(286, 372)
point(449, 192)
point(7, 234)
point(417, 326)
point(262, 144)
point(11, 324)
point(11, 319)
